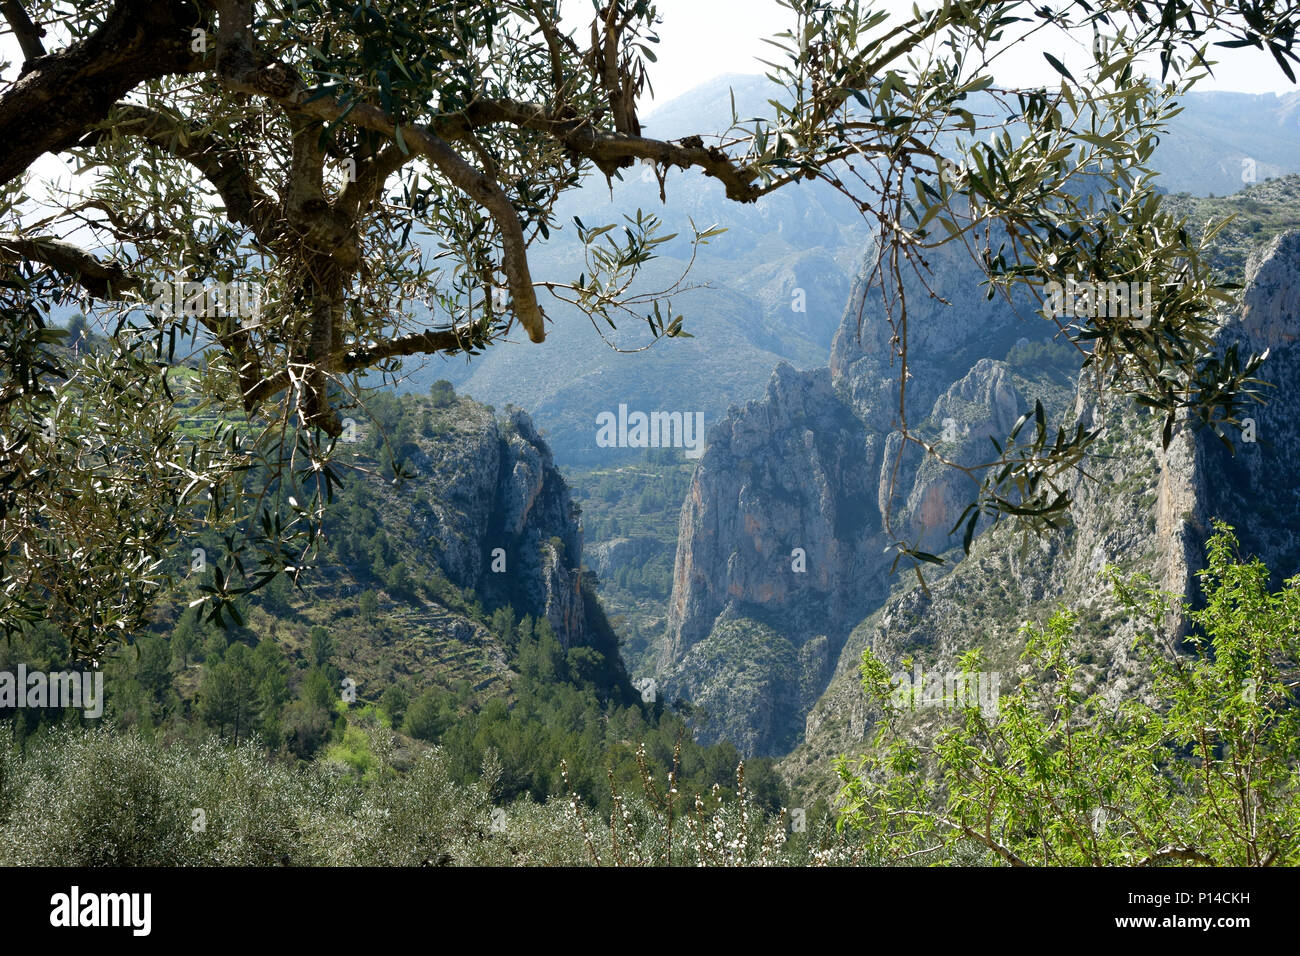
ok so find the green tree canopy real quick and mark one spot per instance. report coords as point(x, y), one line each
point(1060, 776)
point(255, 171)
point(229, 694)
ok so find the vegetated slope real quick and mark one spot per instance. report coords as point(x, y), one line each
point(447, 609)
point(483, 521)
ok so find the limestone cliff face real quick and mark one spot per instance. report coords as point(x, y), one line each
point(484, 485)
point(769, 550)
point(611, 556)
point(1150, 510)
point(452, 518)
point(782, 533)
point(777, 504)
point(952, 324)
point(782, 549)
point(1258, 488)
point(984, 599)
point(539, 531)
point(927, 496)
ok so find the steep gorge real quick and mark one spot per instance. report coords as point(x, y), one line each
point(770, 653)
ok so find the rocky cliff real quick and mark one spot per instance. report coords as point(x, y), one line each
point(783, 536)
point(754, 640)
point(1148, 510)
point(1259, 488)
point(489, 507)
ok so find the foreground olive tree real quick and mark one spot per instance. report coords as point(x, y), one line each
point(254, 173)
point(1203, 773)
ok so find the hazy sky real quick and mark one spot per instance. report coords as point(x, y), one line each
point(701, 39)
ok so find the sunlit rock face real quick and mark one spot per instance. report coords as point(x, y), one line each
point(783, 575)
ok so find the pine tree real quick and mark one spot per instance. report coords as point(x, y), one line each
point(229, 694)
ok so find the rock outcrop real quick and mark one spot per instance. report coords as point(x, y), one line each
point(1150, 509)
point(783, 576)
point(488, 505)
point(1258, 488)
point(783, 531)
point(608, 557)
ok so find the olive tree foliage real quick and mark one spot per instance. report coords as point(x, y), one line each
point(98, 487)
point(1199, 770)
point(300, 148)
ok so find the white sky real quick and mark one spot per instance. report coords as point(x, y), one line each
point(701, 39)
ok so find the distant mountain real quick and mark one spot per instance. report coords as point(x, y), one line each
point(1223, 141)
point(798, 248)
point(776, 281)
